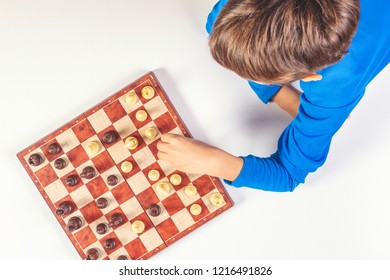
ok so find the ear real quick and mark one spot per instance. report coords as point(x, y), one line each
point(312, 77)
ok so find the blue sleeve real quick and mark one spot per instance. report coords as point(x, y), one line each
point(264, 92)
point(302, 148)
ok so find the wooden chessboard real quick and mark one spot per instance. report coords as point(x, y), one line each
point(134, 192)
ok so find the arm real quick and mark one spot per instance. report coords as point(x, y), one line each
point(193, 156)
point(287, 98)
point(302, 148)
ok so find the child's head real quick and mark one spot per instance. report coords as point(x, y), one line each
point(280, 41)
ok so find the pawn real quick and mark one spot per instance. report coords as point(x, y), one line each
point(163, 188)
point(112, 180)
point(88, 172)
point(92, 254)
point(74, 223)
point(131, 142)
point(101, 203)
point(195, 209)
point(131, 98)
point(71, 181)
point(126, 166)
point(154, 210)
point(138, 226)
point(110, 137)
point(150, 133)
point(190, 190)
point(60, 163)
point(54, 149)
point(115, 220)
point(109, 243)
point(35, 159)
point(64, 208)
point(175, 179)
point(141, 115)
point(154, 175)
point(101, 228)
point(92, 147)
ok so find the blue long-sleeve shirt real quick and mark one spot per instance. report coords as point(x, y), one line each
point(324, 105)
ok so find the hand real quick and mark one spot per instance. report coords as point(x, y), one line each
point(193, 156)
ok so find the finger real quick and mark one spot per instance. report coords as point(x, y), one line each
point(167, 137)
point(162, 156)
point(162, 146)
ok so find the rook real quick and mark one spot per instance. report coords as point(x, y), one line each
point(147, 92)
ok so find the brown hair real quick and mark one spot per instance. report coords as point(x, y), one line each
point(280, 41)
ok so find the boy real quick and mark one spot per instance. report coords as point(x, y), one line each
point(334, 47)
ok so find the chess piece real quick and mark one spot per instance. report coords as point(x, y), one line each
point(92, 254)
point(101, 203)
point(74, 223)
point(150, 133)
point(195, 209)
point(153, 175)
point(122, 258)
point(138, 226)
point(131, 142)
point(71, 181)
point(110, 137)
point(64, 208)
point(109, 243)
point(101, 228)
point(115, 220)
point(141, 115)
point(60, 163)
point(54, 149)
point(112, 180)
point(147, 92)
point(35, 159)
point(131, 98)
point(154, 210)
point(175, 179)
point(163, 188)
point(126, 166)
point(92, 147)
point(216, 199)
point(88, 172)
point(190, 190)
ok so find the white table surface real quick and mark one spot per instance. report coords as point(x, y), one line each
point(59, 58)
